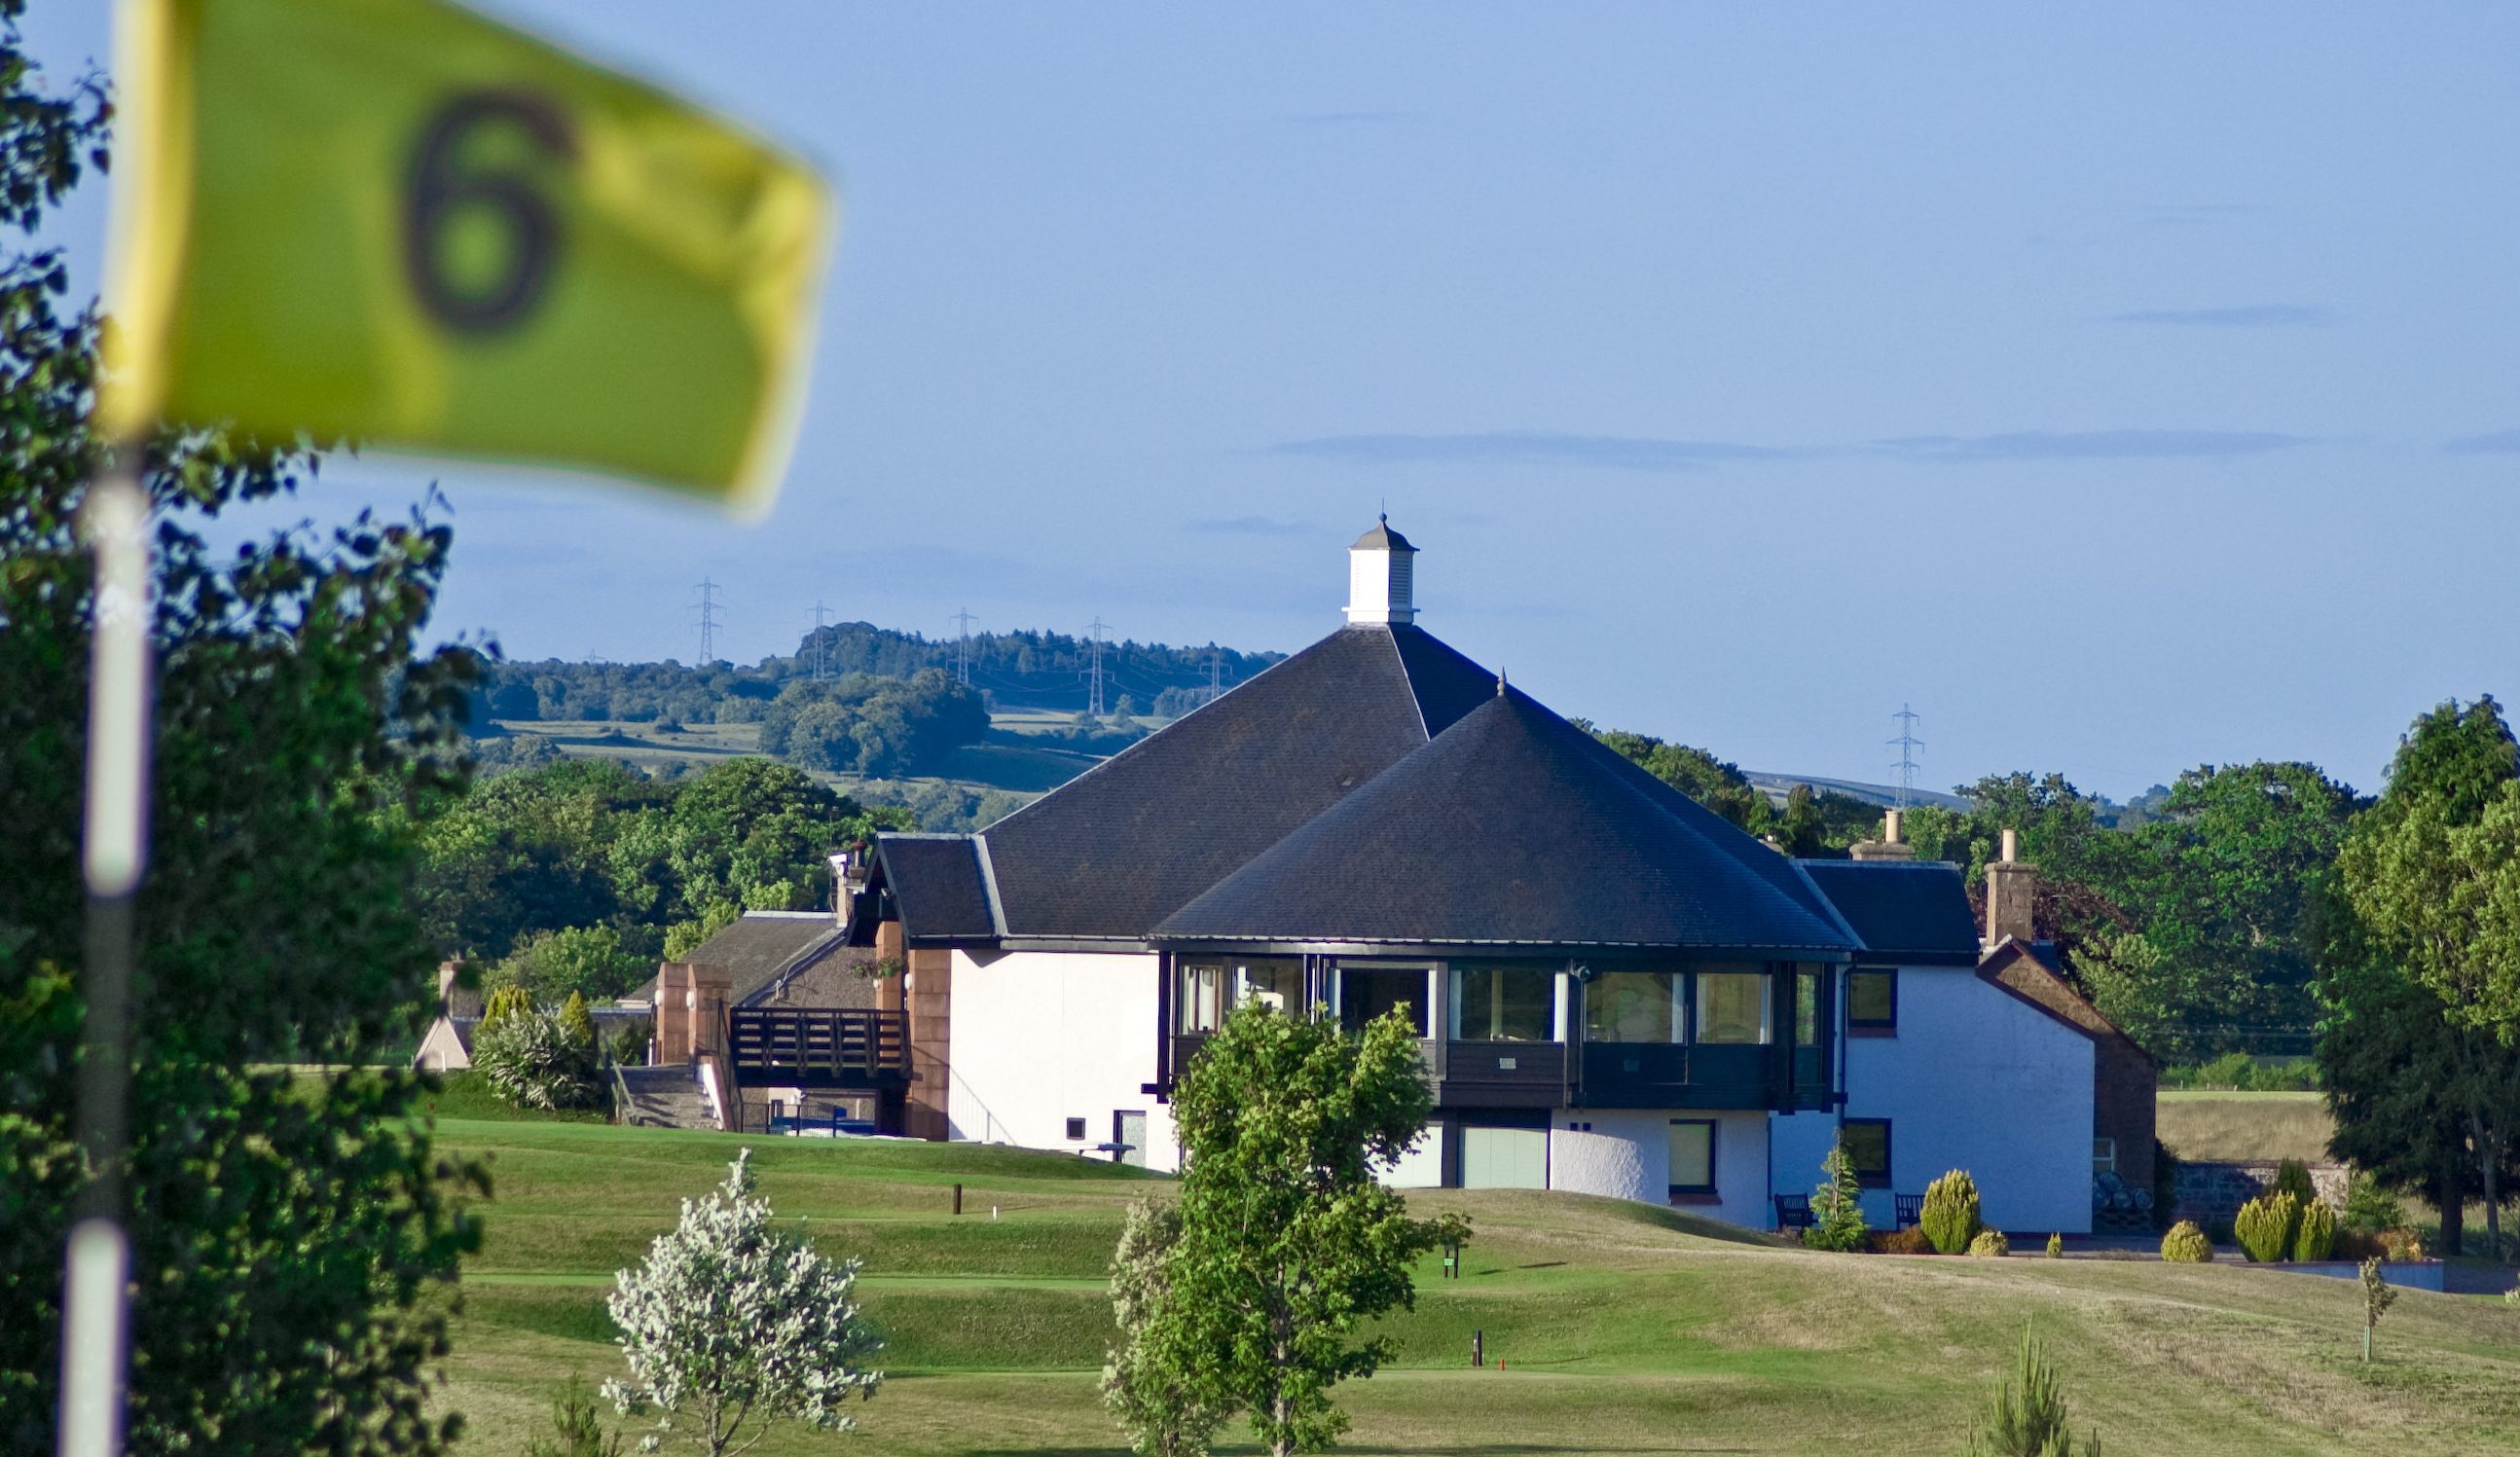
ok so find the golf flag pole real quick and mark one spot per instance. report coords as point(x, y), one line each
point(400, 223)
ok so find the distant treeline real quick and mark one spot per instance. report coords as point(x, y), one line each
point(1013, 670)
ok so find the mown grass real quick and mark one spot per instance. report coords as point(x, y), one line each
point(1609, 1327)
point(2244, 1127)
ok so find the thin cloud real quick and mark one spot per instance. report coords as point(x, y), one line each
point(1250, 525)
point(2098, 444)
point(2247, 316)
point(1531, 448)
point(2500, 442)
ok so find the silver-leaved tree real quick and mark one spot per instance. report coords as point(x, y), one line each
point(730, 1325)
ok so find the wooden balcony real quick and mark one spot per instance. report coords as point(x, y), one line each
point(819, 1047)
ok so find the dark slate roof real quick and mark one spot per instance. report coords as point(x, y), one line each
point(1913, 911)
point(1380, 537)
point(938, 885)
point(1131, 840)
point(758, 948)
point(1515, 827)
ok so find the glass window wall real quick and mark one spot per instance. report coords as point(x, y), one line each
point(1497, 1002)
point(1733, 1008)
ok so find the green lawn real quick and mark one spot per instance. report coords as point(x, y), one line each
point(1618, 1327)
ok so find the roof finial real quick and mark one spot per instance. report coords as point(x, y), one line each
point(1500, 682)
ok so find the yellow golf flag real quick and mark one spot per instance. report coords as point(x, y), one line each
point(396, 222)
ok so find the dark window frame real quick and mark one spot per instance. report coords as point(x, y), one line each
point(1872, 1180)
point(1076, 1130)
point(1714, 1133)
point(1873, 1026)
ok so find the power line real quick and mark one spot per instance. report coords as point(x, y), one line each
point(962, 620)
point(707, 608)
point(1094, 699)
point(1908, 744)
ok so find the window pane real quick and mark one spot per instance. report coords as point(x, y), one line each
point(1807, 1008)
point(1871, 998)
point(1867, 1147)
point(1732, 1007)
point(1631, 1007)
point(1693, 1155)
point(1504, 1003)
point(1276, 982)
point(1367, 991)
point(1202, 996)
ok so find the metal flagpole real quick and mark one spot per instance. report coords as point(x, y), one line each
point(96, 1294)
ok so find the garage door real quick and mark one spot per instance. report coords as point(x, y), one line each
point(1504, 1157)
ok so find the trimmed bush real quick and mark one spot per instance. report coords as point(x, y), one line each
point(2401, 1244)
point(2292, 1177)
point(1951, 1214)
point(1909, 1240)
point(2263, 1227)
point(2318, 1235)
point(2186, 1244)
point(1990, 1244)
point(2056, 1247)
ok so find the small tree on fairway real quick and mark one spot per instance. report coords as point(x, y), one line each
point(729, 1322)
point(1837, 1206)
point(1288, 1241)
point(2027, 1416)
point(1156, 1399)
point(2377, 1297)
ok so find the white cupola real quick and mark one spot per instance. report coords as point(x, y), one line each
point(1378, 577)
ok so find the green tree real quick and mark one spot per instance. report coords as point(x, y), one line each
point(1837, 1205)
point(2432, 873)
point(577, 961)
point(1149, 1388)
point(1701, 776)
point(2027, 1416)
point(1288, 1243)
point(291, 1242)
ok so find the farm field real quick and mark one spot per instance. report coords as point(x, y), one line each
point(2218, 1127)
point(1618, 1327)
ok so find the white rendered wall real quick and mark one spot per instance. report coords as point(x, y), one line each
point(1976, 1078)
point(1044, 1037)
point(1627, 1155)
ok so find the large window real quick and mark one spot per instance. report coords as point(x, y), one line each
point(1497, 1002)
point(1634, 1007)
point(1366, 991)
point(1807, 1008)
point(1872, 1001)
point(1276, 982)
point(1692, 1156)
point(1202, 996)
point(1733, 1007)
point(1867, 1147)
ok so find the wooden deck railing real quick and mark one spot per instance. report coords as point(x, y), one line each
point(819, 1046)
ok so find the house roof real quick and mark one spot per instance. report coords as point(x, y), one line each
point(2033, 972)
point(760, 948)
point(1910, 911)
point(1112, 852)
point(937, 886)
point(1514, 826)
point(1380, 537)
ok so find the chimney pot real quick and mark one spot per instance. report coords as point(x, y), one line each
point(2011, 847)
point(1890, 827)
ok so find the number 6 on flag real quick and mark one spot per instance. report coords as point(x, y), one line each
point(397, 222)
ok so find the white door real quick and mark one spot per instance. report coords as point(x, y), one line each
point(1504, 1157)
point(1130, 1128)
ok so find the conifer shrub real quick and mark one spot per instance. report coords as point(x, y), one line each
point(2056, 1247)
point(1990, 1244)
point(2369, 1208)
point(2186, 1244)
point(1951, 1214)
point(1837, 1206)
point(2263, 1227)
point(2292, 1177)
point(575, 1021)
point(2317, 1238)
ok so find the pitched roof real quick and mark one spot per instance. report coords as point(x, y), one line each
point(1380, 537)
point(1113, 851)
point(1515, 827)
point(758, 948)
point(937, 885)
point(1912, 911)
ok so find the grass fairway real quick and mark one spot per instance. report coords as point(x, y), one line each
point(1620, 1328)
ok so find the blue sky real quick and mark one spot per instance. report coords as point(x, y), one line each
point(2125, 390)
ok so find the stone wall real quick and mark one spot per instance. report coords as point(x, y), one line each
point(2211, 1194)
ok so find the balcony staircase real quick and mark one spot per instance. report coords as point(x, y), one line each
point(669, 1097)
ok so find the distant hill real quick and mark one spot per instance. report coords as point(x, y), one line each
point(1042, 670)
point(1778, 786)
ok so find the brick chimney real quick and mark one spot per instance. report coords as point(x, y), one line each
point(2011, 885)
point(1890, 847)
